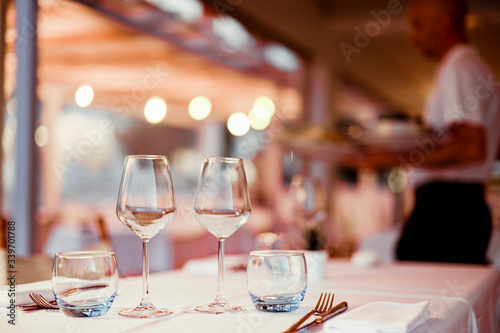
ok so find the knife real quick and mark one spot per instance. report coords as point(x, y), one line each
point(336, 310)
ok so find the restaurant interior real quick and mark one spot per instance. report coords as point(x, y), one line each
point(323, 94)
point(296, 89)
point(121, 77)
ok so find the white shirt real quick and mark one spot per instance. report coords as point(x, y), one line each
point(466, 91)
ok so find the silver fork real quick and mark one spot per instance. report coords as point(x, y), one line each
point(42, 301)
point(325, 303)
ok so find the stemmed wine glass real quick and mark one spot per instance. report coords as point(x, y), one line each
point(309, 198)
point(146, 204)
point(309, 207)
point(222, 206)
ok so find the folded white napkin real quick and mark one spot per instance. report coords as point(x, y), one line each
point(21, 293)
point(380, 317)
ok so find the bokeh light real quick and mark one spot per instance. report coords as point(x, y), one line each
point(41, 136)
point(259, 118)
point(238, 124)
point(200, 107)
point(155, 110)
point(397, 180)
point(266, 103)
point(84, 96)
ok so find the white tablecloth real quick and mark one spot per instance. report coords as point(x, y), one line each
point(462, 299)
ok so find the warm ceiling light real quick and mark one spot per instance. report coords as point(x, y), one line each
point(266, 103)
point(259, 118)
point(232, 32)
point(199, 107)
point(186, 10)
point(281, 57)
point(238, 124)
point(84, 96)
point(155, 110)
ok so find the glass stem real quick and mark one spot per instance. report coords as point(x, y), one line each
point(220, 276)
point(145, 302)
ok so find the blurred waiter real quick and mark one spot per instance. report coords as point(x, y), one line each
point(451, 221)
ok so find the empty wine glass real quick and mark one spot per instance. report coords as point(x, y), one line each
point(309, 199)
point(146, 204)
point(222, 206)
point(309, 210)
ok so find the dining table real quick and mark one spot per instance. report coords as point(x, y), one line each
point(461, 298)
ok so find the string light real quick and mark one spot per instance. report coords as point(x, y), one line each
point(199, 107)
point(259, 118)
point(84, 96)
point(238, 124)
point(155, 110)
point(266, 103)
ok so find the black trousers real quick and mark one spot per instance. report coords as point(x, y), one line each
point(451, 222)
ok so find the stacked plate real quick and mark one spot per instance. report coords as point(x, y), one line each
point(393, 135)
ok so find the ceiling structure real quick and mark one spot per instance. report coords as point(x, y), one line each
point(390, 65)
point(79, 45)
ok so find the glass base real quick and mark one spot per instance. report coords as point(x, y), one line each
point(145, 312)
point(220, 308)
point(280, 303)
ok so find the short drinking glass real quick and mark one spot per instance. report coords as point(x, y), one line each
point(277, 280)
point(84, 282)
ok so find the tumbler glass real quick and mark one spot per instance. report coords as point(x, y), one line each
point(277, 280)
point(84, 282)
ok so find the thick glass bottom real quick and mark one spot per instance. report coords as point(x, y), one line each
point(280, 303)
point(93, 307)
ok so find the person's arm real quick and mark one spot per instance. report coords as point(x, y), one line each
point(463, 144)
